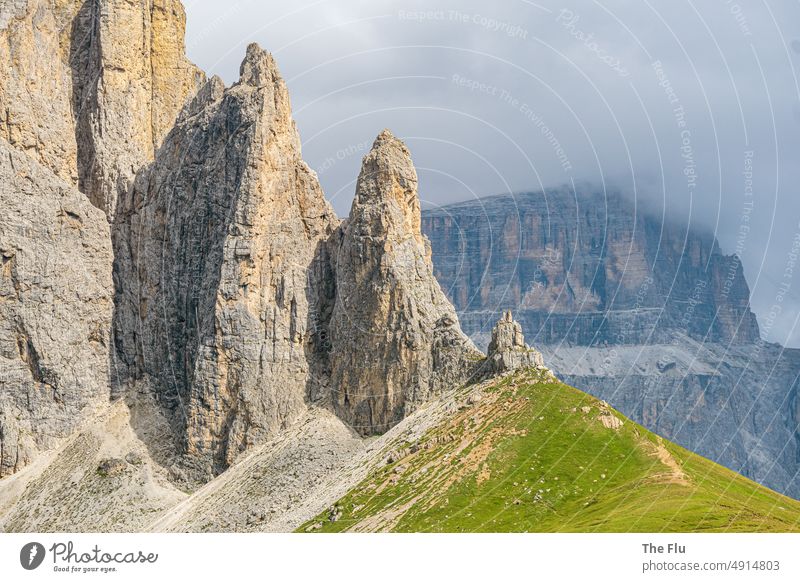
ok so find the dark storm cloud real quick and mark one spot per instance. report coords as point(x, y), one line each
point(690, 106)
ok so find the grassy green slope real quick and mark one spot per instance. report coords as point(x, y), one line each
point(532, 454)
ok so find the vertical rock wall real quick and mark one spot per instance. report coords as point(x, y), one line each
point(395, 336)
point(55, 309)
point(88, 89)
point(135, 81)
point(37, 58)
point(221, 269)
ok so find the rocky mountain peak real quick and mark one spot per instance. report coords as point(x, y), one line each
point(239, 297)
point(387, 185)
point(232, 225)
point(508, 350)
point(395, 336)
point(258, 67)
point(387, 166)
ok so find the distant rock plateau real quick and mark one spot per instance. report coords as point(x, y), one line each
point(633, 308)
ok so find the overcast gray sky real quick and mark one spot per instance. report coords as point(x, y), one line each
point(671, 100)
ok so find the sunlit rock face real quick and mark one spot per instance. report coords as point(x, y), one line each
point(221, 270)
point(395, 336)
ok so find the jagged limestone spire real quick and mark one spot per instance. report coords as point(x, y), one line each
point(232, 226)
point(388, 181)
point(507, 335)
point(395, 336)
point(258, 67)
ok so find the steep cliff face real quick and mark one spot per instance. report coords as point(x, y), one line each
point(135, 82)
point(55, 309)
point(37, 60)
point(650, 317)
point(90, 89)
point(395, 336)
point(223, 282)
point(586, 268)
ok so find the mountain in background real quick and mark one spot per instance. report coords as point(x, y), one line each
point(634, 309)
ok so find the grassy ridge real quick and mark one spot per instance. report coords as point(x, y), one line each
point(529, 453)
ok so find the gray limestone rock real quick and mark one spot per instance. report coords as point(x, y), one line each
point(395, 337)
point(240, 300)
point(87, 92)
point(508, 350)
point(224, 288)
point(55, 309)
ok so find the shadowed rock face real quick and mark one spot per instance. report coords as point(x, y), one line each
point(395, 336)
point(55, 309)
point(633, 309)
point(221, 271)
